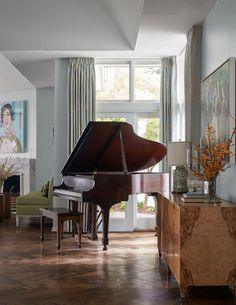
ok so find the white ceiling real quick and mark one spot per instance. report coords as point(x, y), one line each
point(34, 31)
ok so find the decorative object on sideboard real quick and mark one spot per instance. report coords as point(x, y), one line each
point(213, 158)
point(195, 185)
point(177, 155)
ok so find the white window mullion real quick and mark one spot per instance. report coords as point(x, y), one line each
point(131, 81)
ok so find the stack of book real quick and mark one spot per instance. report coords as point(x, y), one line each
point(194, 197)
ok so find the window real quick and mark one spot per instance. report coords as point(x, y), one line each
point(129, 91)
point(147, 82)
point(132, 81)
point(112, 82)
point(178, 104)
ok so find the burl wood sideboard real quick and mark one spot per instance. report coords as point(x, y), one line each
point(197, 241)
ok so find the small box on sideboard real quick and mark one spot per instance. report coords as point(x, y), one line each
point(193, 197)
point(196, 197)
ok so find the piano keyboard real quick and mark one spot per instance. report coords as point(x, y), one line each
point(68, 194)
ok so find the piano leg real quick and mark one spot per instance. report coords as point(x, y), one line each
point(105, 216)
point(94, 222)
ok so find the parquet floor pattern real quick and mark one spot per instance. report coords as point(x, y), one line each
point(129, 273)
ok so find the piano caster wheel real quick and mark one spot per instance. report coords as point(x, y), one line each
point(105, 242)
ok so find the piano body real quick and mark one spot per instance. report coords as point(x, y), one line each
point(102, 168)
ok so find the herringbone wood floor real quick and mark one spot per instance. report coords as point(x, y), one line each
point(129, 273)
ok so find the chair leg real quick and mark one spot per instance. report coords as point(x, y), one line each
point(60, 223)
point(80, 229)
point(17, 221)
point(74, 228)
point(42, 218)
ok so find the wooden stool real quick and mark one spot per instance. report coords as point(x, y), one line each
point(60, 215)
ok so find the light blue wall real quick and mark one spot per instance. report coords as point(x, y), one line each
point(219, 36)
point(218, 44)
point(45, 114)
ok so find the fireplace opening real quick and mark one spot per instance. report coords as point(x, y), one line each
point(12, 184)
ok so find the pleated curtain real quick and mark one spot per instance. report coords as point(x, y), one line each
point(165, 98)
point(81, 97)
point(81, 109)
point(193, 84)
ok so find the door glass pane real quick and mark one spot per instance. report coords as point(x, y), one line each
point(148, 128)
point(145, 206)
point(117, 210)
point(147, 82)
point(112, 82)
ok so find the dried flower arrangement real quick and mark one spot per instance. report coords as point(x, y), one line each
point(213, 158)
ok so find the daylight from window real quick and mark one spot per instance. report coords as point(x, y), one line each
point(112, 82)
point(147, 82)
point(137, 86)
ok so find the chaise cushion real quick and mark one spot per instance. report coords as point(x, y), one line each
point(31, 203)
point(32, 198)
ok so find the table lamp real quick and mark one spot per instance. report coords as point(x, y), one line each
point(178, 155)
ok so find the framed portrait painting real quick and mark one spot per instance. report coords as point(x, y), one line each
point(12, 127)
point(218, 102)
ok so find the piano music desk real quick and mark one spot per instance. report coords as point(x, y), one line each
point(59, 215)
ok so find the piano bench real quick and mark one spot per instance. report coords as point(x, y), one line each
point(59, 215)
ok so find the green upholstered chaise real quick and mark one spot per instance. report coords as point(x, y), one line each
point(28, 205)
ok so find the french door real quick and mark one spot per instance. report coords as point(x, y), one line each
point(138, 213)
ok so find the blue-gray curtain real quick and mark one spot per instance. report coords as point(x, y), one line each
point(193, 84)
point(81, 97)
point(165, 97)
point(81, 107)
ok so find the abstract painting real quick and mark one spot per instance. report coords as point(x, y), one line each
point(218, 101)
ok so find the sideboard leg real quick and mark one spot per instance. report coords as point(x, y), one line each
point(183, 292)
point(168, 272)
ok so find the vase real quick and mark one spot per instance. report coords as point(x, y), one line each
point(212, 191)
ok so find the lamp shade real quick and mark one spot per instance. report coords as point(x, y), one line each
point(178, 153)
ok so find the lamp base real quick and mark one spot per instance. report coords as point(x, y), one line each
point(180, 175)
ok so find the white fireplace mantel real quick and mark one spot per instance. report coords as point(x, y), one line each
point(26, 171)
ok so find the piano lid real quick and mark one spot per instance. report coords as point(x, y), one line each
point(112, 147)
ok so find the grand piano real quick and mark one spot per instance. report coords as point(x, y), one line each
point(104, 168)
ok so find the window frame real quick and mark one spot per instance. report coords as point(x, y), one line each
point(133, 110)
point(131, 63)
